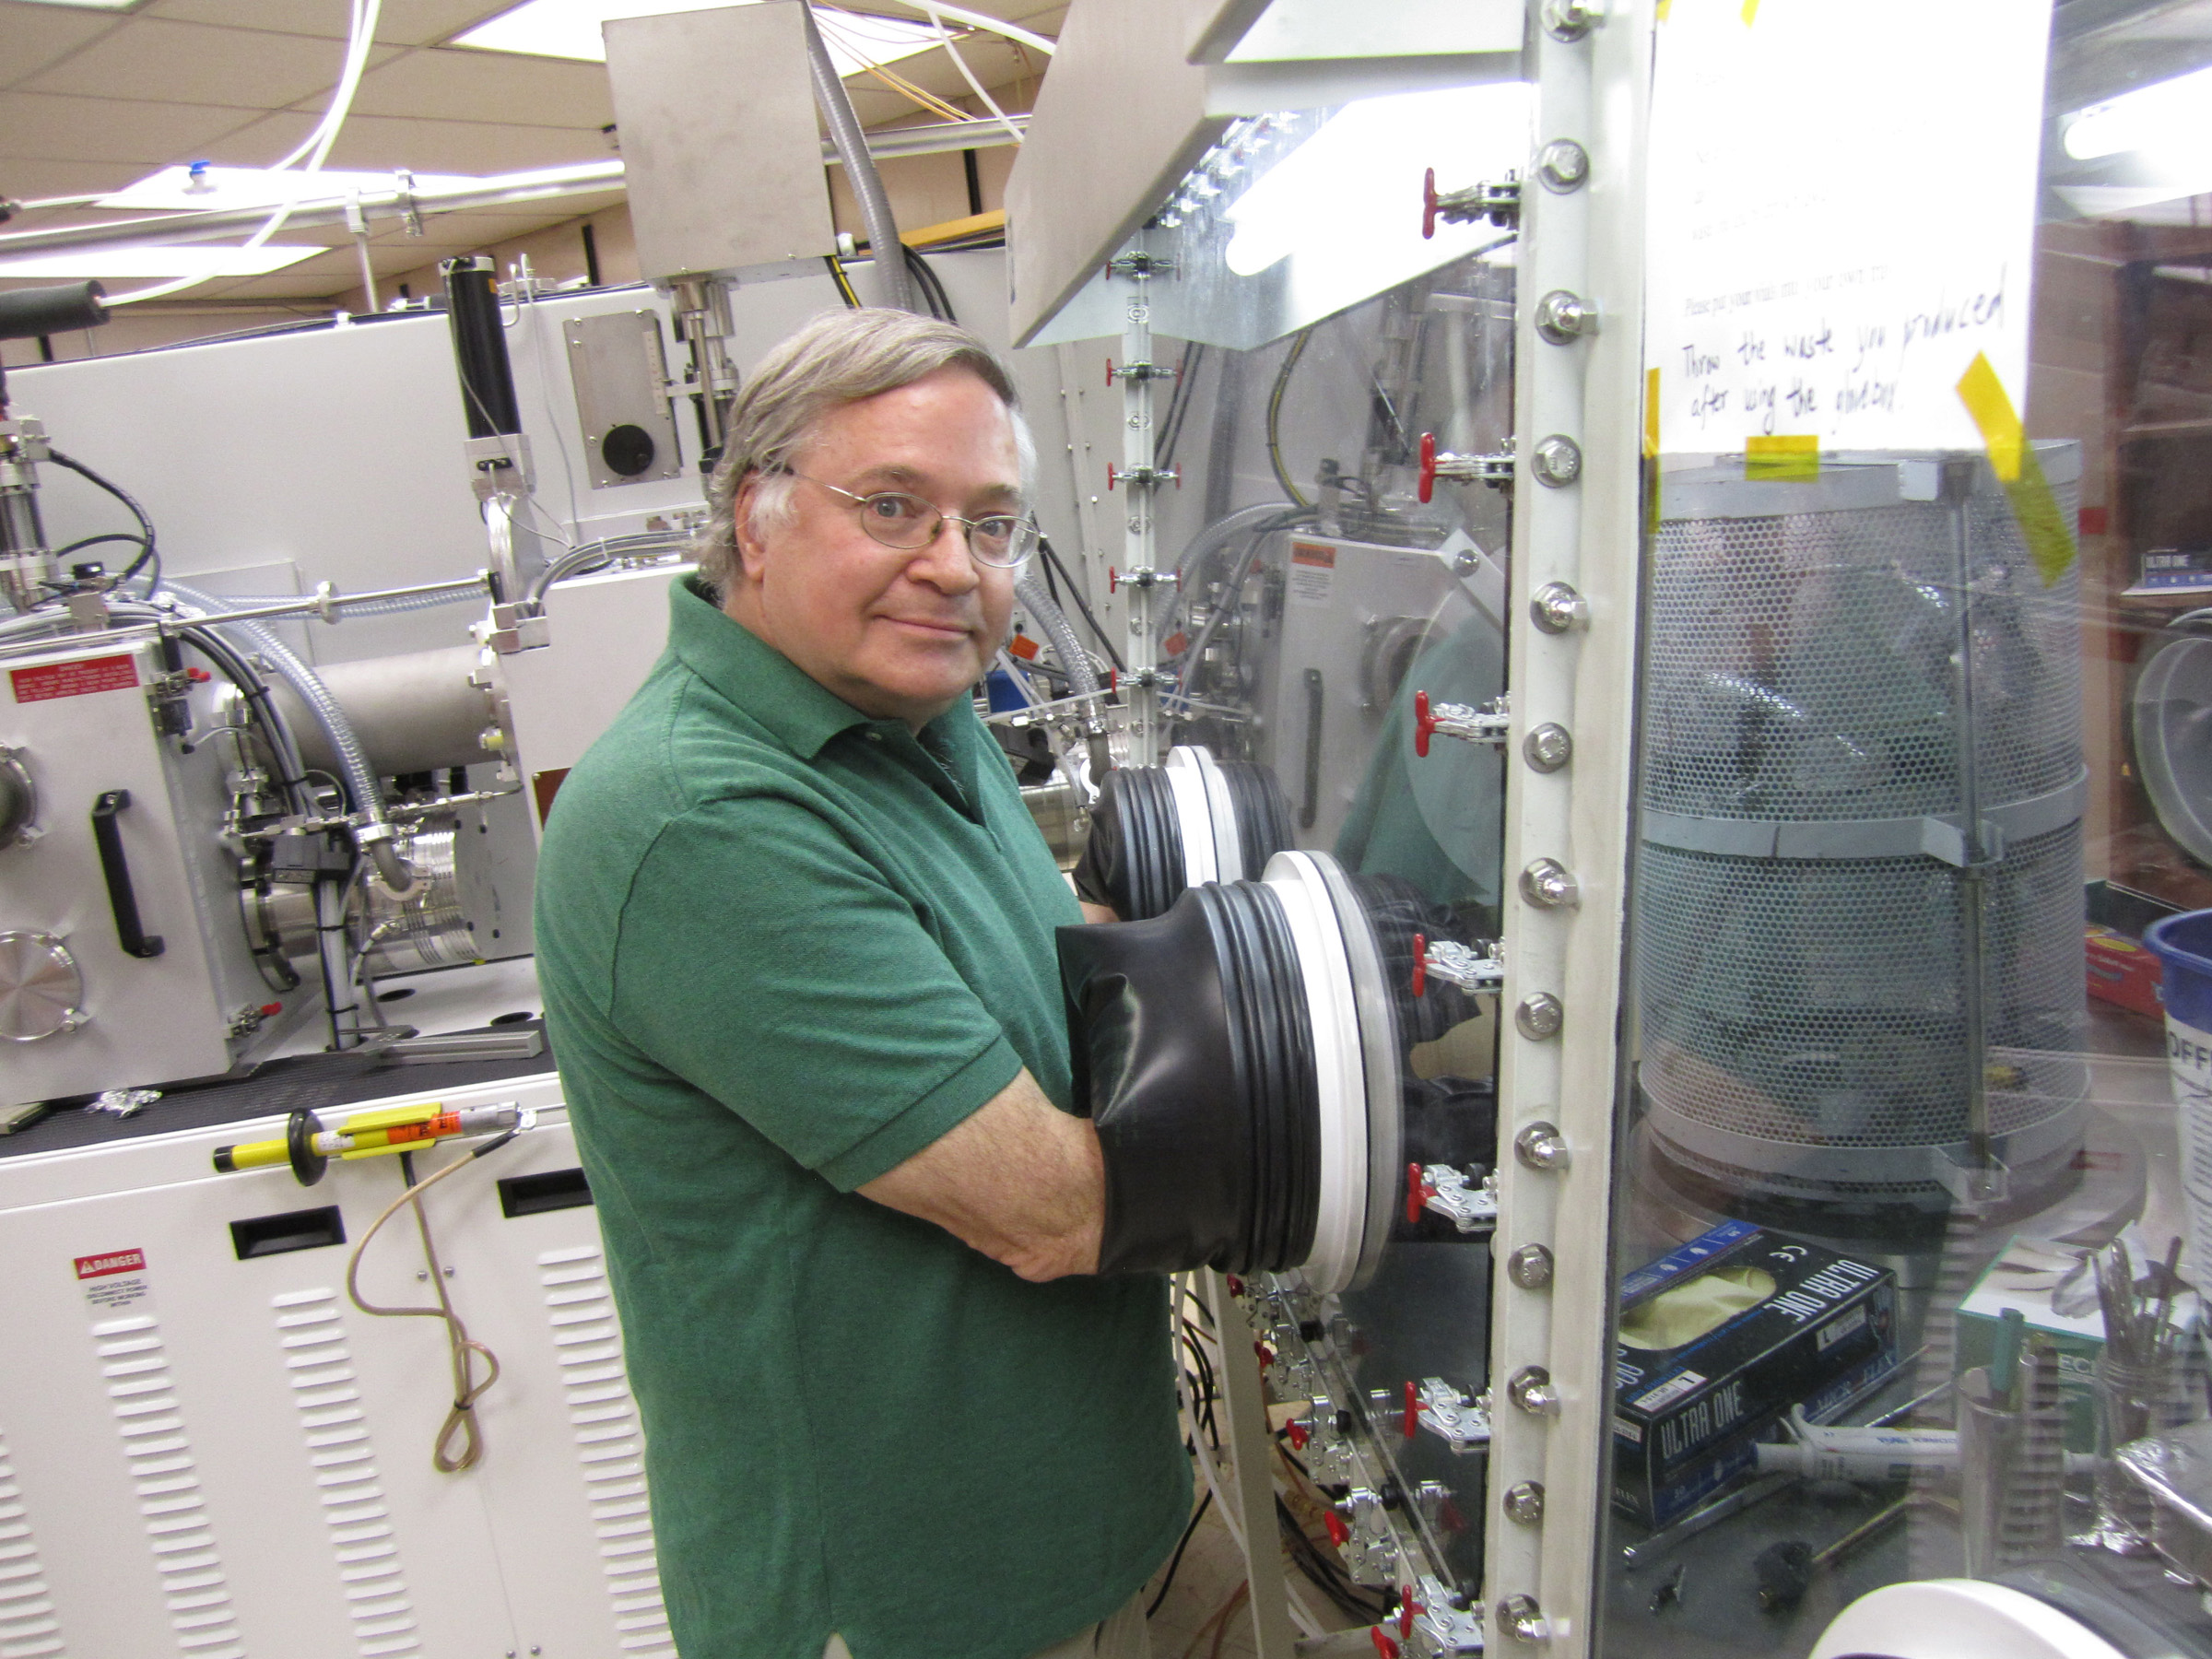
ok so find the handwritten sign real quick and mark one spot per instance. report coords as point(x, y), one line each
point(1842, 216)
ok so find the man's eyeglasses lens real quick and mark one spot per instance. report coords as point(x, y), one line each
point(905, 522)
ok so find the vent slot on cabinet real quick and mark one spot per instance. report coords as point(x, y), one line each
point(294, 1229)
point(534, 1194)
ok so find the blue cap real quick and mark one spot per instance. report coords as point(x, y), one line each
point(2184, 947)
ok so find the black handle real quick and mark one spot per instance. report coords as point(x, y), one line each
point(1311, 803)
point(121, 897)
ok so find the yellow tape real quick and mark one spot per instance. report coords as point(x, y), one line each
point(1791, 456)
point(2051, 540)
point(1984, 394)
point(1651, 413)
point(1665, 6)
point(391, 1115)
point(1750, 12)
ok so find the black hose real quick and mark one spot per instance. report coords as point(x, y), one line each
point(1175, 1561)
point(933, 287)
point(146, 525)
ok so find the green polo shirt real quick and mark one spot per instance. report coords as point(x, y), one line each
point(784, 945)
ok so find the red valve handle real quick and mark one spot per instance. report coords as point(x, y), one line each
point(1297, 1435)
point(1412, 1422)
point(1428, 207)
point(1114, 577)
point(1266, 1353)
point(1109, 374)
point(1428, 483)
point(1383, 1644)
point(1111, 476)
point(1407, 1607)
point(1421, 955)
point(1236, 1285)
point(270, 1010)
point(1413, 1198)
point(1424, 724)
point(1339, 1534)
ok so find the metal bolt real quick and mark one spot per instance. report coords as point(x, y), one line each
point(1524, 1502)
point(1529, 1268)
point(1547, 747)
point(1556, 460)
point(1555, 607)
point(1464, 563)
point(1530, 1390)
point(1539, 1016)
point(1541, 1147)
point(1571, 19)
point(1548, 885)
point(1563, 317)
point(1563, 166)
point(1519, 1618)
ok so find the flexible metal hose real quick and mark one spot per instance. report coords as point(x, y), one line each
point(888, 257)
point(1082, 678)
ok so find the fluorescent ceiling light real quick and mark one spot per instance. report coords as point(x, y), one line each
point(154, 260)
point(180, 187)
point(94, 5)
point(2169, 119)
point(569, 29)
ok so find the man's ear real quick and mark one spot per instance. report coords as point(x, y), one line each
point(741, 512)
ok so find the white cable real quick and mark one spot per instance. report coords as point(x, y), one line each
point(967, 73)
point(316, 148)
point(989, 25)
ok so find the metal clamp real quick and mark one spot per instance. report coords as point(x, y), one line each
point(1469, 1201)
point(1499, 204)
point(1141, 477)
point(1145, 578)
point(1462, 1420)
point(1430, 1618)
point(1497, 470)
point(1456, 964)
point(1486, 724)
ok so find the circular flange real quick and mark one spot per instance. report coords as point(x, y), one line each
point(41, 989)
point(1369, 1130)
point(1194, 815)
point(18, 797)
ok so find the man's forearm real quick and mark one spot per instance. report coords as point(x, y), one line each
point(1020, 1179)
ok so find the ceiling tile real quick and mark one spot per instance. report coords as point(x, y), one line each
point(375, 143)
point(38, 35)
point(455, 84)
point(105, 129)
point(402, 22)
point(189, 62)
point(255, 141)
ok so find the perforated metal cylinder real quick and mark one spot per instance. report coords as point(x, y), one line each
point(1802, 882)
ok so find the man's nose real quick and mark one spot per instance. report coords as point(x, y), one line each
point(944, 562)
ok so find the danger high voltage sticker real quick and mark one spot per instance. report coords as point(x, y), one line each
point(114, 1280)
point(81, 677)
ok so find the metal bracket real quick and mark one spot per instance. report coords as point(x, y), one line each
point(1456, 964)
point(1462, 1421)
point(1486, 724)
point(1498, 203)
point(1469, 1202)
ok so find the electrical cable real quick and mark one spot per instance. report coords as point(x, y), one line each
point(968, 75)
point(845, 283)
point(146, 525)
point(1274, 410)
point(1075, 592)
point(940, 302)
point(460, 1425)
point(1179, 402)
point(1175, 1561)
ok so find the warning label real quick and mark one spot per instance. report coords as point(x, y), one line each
point(81, 678)
point(114, 1281)
point(1313, 572)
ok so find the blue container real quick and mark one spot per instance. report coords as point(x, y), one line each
point(2184, 947)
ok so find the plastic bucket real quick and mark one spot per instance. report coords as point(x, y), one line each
point(2184, 946)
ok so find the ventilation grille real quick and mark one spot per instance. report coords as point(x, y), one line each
point(166, 1482)
point(588, 1341)
point(29, 1629)
point(312, 1338)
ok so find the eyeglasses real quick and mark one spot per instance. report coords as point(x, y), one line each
point(909, 524)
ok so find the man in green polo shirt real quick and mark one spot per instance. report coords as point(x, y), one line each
point(795, 935)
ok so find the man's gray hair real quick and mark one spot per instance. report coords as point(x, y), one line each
point(838, 359)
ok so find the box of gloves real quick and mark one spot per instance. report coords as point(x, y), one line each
point(1720, 1339)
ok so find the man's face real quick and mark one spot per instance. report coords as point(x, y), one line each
point(897, 634)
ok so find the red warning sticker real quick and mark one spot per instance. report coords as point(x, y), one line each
point(115, 1261)
point(79, 678)
point(115, 1281)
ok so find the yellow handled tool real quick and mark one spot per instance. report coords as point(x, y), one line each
point(308, 1147)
